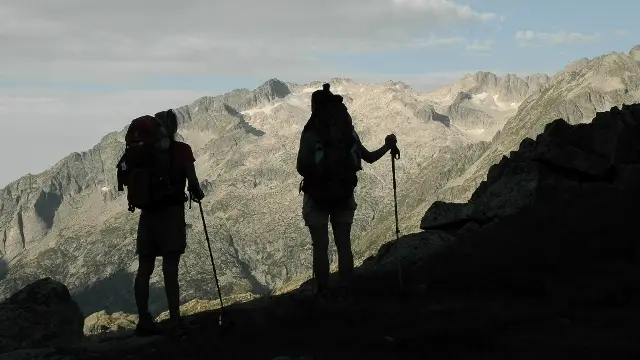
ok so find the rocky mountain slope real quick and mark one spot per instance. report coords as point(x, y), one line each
point(70, 223)
point(479, 104)
point(558, 276)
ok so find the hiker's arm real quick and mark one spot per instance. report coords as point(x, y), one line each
point(373, 156)
point(193, 185)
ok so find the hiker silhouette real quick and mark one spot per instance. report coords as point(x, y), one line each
point(329, 158)
point(161, 227)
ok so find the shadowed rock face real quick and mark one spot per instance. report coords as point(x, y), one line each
point(562, 159)
point(39, 315)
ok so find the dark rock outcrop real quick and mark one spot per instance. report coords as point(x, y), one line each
point(564, 158)
point(42, 314)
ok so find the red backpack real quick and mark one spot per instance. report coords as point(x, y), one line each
point(145, 167)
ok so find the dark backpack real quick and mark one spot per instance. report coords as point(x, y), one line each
point(331, 173)
point(146, 166)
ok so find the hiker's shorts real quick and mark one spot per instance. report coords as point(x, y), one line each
point(314, 215)
point(162, 233)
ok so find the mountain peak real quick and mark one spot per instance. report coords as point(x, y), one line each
point(340, 81)
point(397, 84)
point(272, 89)
point(576, 65)
point(484, 76)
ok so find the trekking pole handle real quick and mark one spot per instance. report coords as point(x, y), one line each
point(395, 152)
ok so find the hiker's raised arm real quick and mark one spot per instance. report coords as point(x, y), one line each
point(373, 156)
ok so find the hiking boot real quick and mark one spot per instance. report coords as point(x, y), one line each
point(146, 327)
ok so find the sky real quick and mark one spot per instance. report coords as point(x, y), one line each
point(73, 70)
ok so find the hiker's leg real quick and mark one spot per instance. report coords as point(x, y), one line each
point(146, 250)
point(320, 239)
point(317, 220)
point(170, 264)
point(172, 242)
point(141, 285)
point(342, 238)
point(341, 221)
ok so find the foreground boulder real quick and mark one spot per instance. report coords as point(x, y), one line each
point(39, 315)
point(563, 159)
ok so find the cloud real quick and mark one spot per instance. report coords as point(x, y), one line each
point(447, 8)
point(621, 33)
point(527, 37)
point(117, 40)
point(434, 40)
point(485, 45)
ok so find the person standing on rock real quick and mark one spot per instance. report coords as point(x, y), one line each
point(162, 226)
point(328, 159)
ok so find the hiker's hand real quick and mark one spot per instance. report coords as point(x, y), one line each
point(197, 194)
point(395, 152)
point(390, 141)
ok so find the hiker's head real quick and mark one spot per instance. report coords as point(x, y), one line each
point(170, 121)
point(320, 97)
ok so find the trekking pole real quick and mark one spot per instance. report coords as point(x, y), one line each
point(215, 275)
point(395, 154)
